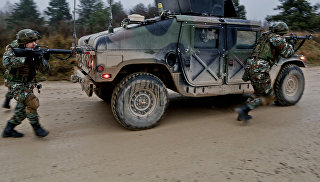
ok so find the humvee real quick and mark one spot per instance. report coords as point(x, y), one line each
point(196, 55)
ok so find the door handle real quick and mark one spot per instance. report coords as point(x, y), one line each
point(230, 62)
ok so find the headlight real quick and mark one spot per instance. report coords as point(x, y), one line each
point(302, 58)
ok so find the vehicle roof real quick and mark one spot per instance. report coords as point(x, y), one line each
point(210, 19)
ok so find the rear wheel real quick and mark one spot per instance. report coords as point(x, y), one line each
point(289, 85)
point(139, 101)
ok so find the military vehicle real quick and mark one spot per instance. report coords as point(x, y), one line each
point(191, 51)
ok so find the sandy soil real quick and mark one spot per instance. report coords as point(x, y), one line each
point(197, 140)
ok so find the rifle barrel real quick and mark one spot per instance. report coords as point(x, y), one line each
point(60, 51)
point(308, 37)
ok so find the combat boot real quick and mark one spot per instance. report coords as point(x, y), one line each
point(243, 113)
point(6, 103)
point(39, 131)
point(10, 132)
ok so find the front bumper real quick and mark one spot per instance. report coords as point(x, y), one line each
point(85, 81)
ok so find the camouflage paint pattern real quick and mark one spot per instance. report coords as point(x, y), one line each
point(21, 92)
point(9, 59)
point(19, 89)
point(150, 43)
point(9, 95)
point(25, 36)
point(279, 28)
point(264, 56)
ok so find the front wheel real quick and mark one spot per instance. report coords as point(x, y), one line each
point(289, 85)
point(139, 101)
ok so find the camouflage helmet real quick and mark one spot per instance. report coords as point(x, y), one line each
point(25, 36)
point(279, 28)
point(38, 34)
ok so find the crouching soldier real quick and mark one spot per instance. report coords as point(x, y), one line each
point(20, 75)
point(269, 47)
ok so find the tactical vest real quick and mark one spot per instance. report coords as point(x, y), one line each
point(25, 73)
point(264, 49)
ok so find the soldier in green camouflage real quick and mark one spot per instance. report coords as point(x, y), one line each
point(20, 76)
point(9, 95)
point(269, 47)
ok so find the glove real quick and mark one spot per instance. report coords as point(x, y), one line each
point(46, 56)
point(45, 63)
point(37, 59)
point(293, 42)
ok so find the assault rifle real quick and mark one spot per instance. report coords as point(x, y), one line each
point(38, 51)
point(294, 38)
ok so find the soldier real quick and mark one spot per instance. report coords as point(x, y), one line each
point(9, 96)
point(270, 45)
point(20, 75)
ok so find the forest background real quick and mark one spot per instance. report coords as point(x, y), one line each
point(55, 25)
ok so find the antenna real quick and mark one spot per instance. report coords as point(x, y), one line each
point(110, 17)
point(74, 25)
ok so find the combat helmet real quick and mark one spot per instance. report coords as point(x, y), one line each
point(25, 36)
point(279, 28)
point(38, 35)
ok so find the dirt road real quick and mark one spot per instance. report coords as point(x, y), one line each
point(198, 140)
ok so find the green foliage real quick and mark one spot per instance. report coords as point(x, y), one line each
point(25, 15)
point(98, 20)
point(240, 9)
point(149, 12)
point(59, 15)
point(118, 14)
point(5, 34)
point(93, 16)
point(298, 14)
point(152, 11)
point(139, 9)
point(87, 7)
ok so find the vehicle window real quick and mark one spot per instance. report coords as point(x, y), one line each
point(246, 39)
point(206, 38)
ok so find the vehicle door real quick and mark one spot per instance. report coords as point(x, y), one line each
point(240, 43)
point(201, 47)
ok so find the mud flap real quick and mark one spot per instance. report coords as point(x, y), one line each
point(87, 86)
point(85, 82)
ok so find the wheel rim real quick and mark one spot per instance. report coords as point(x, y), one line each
point(292, 85)
point(142, 103)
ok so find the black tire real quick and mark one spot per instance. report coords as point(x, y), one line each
point(289, 85)
point(104, 92)
point(139, 101)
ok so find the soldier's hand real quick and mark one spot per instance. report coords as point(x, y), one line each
point(37, 59)
point(293, 42)
point(46, 56)
point(45, 62)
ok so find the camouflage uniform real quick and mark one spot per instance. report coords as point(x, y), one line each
point(264, 56)
point(9, 95)
point(20, 75)
point(269, 47)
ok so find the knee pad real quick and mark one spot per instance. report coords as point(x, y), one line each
point(32, 104)
point(268, 100)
